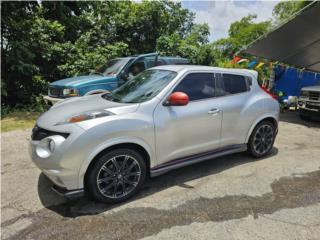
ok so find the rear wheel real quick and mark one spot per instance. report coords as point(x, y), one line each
point(116, 176)
point(262, 139)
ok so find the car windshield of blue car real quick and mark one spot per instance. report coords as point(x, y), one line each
point(113, 67)
point(143, 87)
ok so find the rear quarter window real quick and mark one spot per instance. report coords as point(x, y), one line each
point(233, 83)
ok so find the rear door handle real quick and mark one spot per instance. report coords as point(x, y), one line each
point(214, 111)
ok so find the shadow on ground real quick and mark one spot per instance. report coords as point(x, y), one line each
point(298, 190)
point(293, 117)
point(85, 206)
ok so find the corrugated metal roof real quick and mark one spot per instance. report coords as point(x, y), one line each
point(296, 42)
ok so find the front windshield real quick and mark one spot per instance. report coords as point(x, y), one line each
point(143, 87)
point(112, 67)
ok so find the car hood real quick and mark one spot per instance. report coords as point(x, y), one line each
point(79, 80)
point(312, 88)
point(72, 106)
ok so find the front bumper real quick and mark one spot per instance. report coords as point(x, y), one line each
point(53, 169)
point(68, 193)
point(61, 165)
point(309, 108)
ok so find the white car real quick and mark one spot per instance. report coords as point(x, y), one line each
point(165, 118)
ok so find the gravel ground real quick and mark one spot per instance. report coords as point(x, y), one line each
point(231, 197)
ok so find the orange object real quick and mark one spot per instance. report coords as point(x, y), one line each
point(235, 59)
point(77, 118)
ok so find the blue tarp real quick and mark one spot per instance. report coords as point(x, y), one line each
point(290, 80)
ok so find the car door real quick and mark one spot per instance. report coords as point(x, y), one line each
point(191, 129)
point(233, 93)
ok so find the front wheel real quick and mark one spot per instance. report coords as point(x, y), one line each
point(262, 139)
point(116, 176)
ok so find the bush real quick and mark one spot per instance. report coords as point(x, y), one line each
point(37, 104)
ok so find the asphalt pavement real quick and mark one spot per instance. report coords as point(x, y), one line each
point(232, 197)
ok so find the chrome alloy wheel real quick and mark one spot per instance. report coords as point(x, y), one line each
point(118, 176)
point(263, 139)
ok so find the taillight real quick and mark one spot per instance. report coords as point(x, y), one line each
point(269, 93)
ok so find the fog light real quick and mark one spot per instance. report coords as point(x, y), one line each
point(48, 145)
point(52, 145)
point(43, 149)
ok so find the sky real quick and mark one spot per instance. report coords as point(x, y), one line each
point(220, 14)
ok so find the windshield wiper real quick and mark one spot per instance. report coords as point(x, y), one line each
point(110, 97)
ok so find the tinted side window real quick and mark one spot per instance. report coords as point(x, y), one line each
point(197, 86)
point(234, 84)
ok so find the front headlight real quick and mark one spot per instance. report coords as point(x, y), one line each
point(71, 92)
point(303, 94)
point(87, 116)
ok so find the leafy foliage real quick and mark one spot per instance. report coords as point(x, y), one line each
point(241, 33)
point(41, 43)
point(284, 10)
point(192, 46)
point(55, 39)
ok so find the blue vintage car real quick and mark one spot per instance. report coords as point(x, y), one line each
point(107, 77)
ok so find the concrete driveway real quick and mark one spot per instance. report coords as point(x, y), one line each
point(231, 197)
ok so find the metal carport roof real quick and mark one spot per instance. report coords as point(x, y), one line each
point(296, 42)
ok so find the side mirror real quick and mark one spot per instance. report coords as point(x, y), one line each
point(177, 99)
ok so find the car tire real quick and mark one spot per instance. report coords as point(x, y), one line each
point(116, 175)
point(261, 139)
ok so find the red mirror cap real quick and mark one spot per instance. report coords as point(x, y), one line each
point(178, 99)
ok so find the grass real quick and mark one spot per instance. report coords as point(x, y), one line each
point(18, 121)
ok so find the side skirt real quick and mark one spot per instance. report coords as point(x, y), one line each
point(68, 193)
point(185, 161)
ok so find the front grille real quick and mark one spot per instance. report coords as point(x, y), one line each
point(40, 133)
point(312, 106)
point(314, 96)
point(54, 92)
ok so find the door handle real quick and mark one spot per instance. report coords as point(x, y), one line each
point(214, 111)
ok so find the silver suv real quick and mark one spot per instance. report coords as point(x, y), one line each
point(309, 102)
point(165, 118)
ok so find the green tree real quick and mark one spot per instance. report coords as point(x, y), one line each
point(43, 42)
point(47, 41)
point(193, 45)
point(241, 33)
point(286, 9)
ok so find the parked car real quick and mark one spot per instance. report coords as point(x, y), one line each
point(309, 102)
point(107, 77)
point(165, 118)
